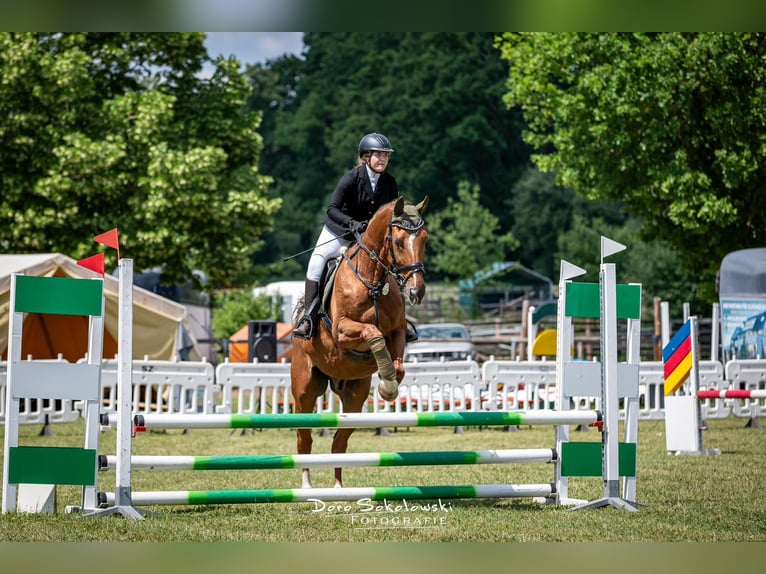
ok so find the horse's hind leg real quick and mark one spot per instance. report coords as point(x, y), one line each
point(353, 395)
point(306, 388)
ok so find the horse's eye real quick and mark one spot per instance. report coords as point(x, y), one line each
point(399, 243)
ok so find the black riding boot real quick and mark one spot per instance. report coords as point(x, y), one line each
point(306, 325)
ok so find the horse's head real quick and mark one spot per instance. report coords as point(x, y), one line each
point(407, 248)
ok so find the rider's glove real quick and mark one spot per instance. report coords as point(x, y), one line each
point(356, 227)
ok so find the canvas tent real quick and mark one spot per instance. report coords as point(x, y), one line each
point(161, 329)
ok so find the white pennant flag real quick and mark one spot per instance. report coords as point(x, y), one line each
point(570, 271)
point(609, 247)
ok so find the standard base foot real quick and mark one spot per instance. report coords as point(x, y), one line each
point(612, 501)
point(125, 511)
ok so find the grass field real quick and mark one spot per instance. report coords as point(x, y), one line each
point(702, 499)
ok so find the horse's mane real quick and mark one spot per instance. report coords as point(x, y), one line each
point(383, 213)
point(376, 227)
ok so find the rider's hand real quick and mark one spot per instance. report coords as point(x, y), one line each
point(357, 227)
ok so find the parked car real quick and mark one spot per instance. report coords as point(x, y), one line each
point(441, 342)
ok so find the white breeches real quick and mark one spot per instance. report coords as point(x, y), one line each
point(325, 249)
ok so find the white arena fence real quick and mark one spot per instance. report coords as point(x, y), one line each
point(745, 375)
point(181, 387)
point(39, 411)
point(188, 387)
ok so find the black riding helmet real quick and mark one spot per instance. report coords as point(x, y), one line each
point(374, 142)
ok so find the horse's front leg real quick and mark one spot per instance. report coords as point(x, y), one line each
point(352, 335)
point(397, 342)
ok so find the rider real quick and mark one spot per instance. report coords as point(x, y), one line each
point(356, 198)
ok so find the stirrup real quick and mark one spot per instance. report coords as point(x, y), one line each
point(309, 334)
point(412, 333)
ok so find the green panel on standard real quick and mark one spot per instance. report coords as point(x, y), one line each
point(58, 295)
point(52, 465)
point(584, 459)
point(544, 310)
point(584, 300)
point(628, 301)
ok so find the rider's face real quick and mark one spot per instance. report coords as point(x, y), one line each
point(379, 161)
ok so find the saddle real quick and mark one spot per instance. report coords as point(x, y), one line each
point(326, 282)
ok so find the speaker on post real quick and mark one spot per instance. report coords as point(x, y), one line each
point(262, 341)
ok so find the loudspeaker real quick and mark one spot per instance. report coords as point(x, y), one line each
point(262, 341)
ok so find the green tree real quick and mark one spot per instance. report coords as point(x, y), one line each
point(103, 130)
point(541, 211)
point(464, 237)
point(671, 124)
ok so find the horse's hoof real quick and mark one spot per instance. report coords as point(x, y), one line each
point(388, 396)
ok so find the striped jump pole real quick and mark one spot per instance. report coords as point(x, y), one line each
point(192, 497)
point(347, 460)
point(732, 394)
point(364, 420)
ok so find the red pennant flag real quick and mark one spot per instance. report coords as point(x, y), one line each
point(94, 263)
point(109, 239)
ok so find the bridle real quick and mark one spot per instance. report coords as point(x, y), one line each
point(400, 273)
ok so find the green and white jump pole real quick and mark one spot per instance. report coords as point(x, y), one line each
point(362, 420)
point(350, 494)
point(346, 460)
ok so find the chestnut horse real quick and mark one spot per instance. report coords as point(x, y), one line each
point(364, 328)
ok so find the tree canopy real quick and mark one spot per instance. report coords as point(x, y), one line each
point(671, 124)
point(104, 130)
point(466, 236)
point(655, 139)
point(436, 96)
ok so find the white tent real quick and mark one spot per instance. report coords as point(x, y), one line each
point(161, 329)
